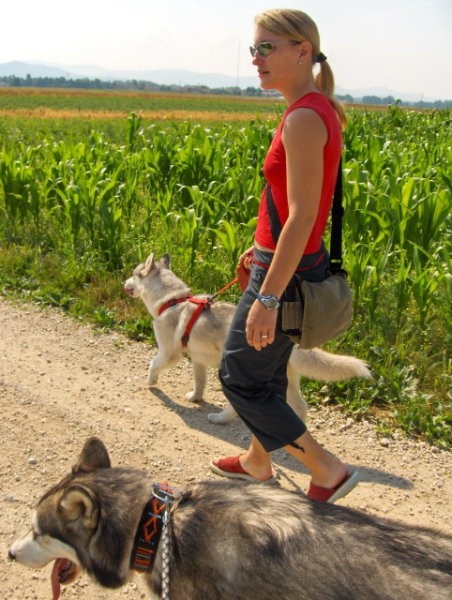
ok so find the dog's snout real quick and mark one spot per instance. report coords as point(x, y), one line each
point(11, 555)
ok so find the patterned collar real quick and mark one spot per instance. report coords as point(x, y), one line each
point(155, 515)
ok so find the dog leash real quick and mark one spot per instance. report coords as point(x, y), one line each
point(165, 549)
point(224, 288)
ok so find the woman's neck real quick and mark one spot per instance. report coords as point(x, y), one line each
point(298, 91)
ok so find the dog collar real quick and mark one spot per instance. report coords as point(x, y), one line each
point(155, 515)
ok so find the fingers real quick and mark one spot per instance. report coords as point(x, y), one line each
point(260, 326)
point(259, 338)
point(246, 262)
point(265, 340)
point(246, 259)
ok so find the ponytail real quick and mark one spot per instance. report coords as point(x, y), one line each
point(324, 80)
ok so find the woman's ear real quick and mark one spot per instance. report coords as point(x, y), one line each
point(304, 50)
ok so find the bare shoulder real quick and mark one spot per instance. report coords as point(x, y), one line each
point(304, 122)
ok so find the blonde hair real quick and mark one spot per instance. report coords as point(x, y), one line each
point(297, 26)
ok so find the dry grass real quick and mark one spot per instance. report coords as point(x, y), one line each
point(154, 115)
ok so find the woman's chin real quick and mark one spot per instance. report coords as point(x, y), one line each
point(265, 83)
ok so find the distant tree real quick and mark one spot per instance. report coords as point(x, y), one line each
point(252, 91)
point(371, 100)
point(86, 83)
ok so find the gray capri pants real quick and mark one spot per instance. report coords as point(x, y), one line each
point(255, 382)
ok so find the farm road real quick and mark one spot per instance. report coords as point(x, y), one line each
point(61, 382)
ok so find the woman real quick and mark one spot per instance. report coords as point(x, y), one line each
point(300, 169)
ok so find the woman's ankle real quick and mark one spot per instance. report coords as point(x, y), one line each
point(256, 467)
point(329, 476)
point(326, 469)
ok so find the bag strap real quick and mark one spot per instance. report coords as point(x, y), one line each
point(275, 223)
point(337, 212)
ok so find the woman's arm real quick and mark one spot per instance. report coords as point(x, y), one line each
point(304, 137)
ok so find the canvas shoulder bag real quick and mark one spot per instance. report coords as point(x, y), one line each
point(315, 312)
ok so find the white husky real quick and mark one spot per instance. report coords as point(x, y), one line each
point(170, 303)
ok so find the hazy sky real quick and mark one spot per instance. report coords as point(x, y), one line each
point(402, 45)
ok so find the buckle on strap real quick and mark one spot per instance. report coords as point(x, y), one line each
point(165, 493)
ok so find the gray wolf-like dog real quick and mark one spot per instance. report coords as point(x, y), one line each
point(157, 285)
point(227, 540)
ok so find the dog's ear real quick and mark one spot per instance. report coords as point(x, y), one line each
point(94, 456)
point(79, 503)
point(148, 265)
point(166, 261)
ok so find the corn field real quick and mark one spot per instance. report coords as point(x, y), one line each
point(192, 188)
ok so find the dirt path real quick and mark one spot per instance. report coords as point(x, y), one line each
point(61, 382)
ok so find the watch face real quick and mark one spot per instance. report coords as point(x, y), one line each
point(270, 302)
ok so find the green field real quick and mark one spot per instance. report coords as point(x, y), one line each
point(91, 182)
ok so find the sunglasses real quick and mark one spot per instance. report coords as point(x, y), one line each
point(266, 48)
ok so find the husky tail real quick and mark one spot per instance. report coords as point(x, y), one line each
point(325, 366)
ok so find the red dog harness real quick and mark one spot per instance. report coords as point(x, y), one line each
point(202, 304)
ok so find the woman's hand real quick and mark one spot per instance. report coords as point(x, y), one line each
point(260, 326)
point(244, 267)
point(246, 259)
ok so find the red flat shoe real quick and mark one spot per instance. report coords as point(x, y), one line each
point(230, 467)
point(321, 494)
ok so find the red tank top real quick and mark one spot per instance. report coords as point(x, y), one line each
point(275, 173)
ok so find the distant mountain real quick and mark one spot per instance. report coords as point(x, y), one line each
point(160, 76)
point(20, 69)
point(173, 77)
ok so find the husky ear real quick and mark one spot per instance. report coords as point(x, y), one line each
point(93, 456)
point(79, 503)
point(148, 266)
point(166, 261)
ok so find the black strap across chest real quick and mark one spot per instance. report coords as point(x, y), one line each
point(337, 212)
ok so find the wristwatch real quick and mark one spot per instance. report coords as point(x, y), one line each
point(270, 302)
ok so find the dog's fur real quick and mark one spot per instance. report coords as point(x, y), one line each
point(155, 283)
point(233, 541)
